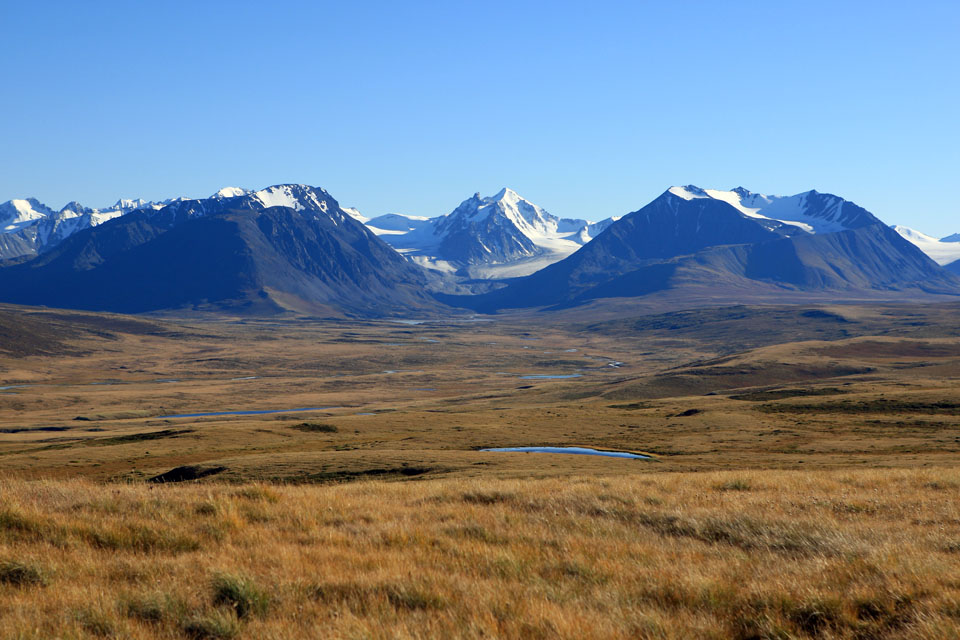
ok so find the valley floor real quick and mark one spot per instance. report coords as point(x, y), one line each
point(802, 480)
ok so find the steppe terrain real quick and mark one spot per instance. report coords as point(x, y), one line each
point(801, 483)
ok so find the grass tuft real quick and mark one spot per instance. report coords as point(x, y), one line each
point(413, 598)
point(96, 622)
point(258, 493)
point(218, 625)
point(19, 526)
point(21, 574)
point(154, 608)
point(140, 538)
point(814, 618)
point(737, 484)
point(241, 594)
point(487, 497)
point(474, 532)
point(361, 599)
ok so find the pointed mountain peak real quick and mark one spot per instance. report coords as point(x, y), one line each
point(951, 238)
point(507, 194)
point(74, 206)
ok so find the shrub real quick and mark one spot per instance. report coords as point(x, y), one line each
point(318, 427)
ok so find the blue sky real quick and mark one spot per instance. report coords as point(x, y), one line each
point(589, 109)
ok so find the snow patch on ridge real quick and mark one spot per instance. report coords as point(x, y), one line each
point(812, 212)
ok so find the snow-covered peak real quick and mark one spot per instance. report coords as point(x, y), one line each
point(811, 211)
point(940, 251)
point(74, 208)
point(508, 195)
point(230, 192)
point(530, 219)
point(18, 213)
point(295, 196)
point(688, 192)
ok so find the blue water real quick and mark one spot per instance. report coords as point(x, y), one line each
point(551, 377)
point(585, 451)
point(245, 413)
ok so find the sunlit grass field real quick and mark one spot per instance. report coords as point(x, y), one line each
point(748, 554)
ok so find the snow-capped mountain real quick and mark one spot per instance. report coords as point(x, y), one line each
point(943, 251)
point(28, 227)
point(495, 237)
point(727, 245)
point(283, 248)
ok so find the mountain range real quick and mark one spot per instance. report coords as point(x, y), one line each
point(284, 248)
point(293, 248)
point(730, 244)
point(28, 227)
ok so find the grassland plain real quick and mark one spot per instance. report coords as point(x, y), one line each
point(803, 477)
point(734, 554)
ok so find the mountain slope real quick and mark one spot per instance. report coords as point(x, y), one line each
point(229, 253)
point(690, 237)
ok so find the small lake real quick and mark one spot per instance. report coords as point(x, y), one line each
point(583, 451)
point(246, 413)
point(552, 377)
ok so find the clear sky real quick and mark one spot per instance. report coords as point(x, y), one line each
point(589, 109)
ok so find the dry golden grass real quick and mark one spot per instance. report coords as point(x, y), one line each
point(747, 554)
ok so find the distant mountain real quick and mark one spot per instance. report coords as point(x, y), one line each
point(730, 243)
point(28, 227)
point(497, 237)
point(284, 248)
point(942, 251)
